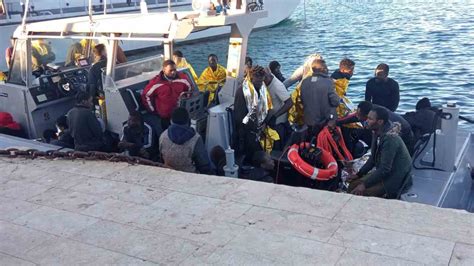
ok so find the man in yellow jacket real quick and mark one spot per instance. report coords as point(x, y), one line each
point(212, 78)
point(181, 62)
point(341, 78)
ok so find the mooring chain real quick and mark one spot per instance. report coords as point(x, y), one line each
point(72, 155)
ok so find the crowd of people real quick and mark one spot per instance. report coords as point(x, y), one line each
point(266, 113)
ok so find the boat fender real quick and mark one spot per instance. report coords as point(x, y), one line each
point(308, 170)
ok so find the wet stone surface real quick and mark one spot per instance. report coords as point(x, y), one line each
point(84, 212)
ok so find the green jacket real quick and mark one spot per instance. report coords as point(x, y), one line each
point(391, 160)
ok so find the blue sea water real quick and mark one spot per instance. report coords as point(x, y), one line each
point(429, 46)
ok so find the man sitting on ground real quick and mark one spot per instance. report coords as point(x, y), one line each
point(84, 126)
point(181, 147)
point(132, 141)
point(212, 78)
point(162, 93)
point(389, 157)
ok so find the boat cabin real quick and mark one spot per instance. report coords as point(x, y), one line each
point(43, 79)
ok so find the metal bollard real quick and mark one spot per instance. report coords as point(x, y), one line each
point(446, 138)
point(230, 169)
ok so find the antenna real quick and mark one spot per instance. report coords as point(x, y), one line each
point(90, 12)
point(143, 7)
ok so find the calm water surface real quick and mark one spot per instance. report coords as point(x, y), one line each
point(429, 46)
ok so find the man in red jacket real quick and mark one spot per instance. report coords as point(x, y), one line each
point(161, 94)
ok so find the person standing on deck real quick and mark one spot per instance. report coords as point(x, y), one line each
point(212, 78)
point(318, 97)
point(281, 101)
point(94, 81)
point(252, 104)
point(181, 147)
point(383, 90)
point(84, 127)
point(162, 93)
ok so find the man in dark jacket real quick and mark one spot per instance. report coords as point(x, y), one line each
point(135, 134)
point(383, 90)
point(252, 108)
point(94, 80)
point(181, 147)
point(84, 126)
point(318, 96)
point(389, 157)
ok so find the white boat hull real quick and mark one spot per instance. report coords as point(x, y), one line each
point(278, 10)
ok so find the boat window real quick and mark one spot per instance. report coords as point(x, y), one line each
point(130, 69)
point(17, 74)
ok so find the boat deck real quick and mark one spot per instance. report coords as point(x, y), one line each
point(447, 189)
point(90, 212)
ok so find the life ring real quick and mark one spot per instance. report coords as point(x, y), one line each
point(309, 171)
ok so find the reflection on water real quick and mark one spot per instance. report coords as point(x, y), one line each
point(428, 45)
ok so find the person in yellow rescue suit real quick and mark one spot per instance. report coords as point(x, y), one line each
point(252, 111)
point(78, 50)
point(295, 114)
point(41, 54)
point(212, 78)
point(341, 78)
point(181, 62)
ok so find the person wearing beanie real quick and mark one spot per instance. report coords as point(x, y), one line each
point(181, 148)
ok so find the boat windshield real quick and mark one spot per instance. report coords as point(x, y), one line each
point(60, 52)
point(48, 55)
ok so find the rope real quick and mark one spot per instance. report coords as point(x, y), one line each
point(72, 155)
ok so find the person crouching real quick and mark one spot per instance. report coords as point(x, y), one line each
point(181, 147)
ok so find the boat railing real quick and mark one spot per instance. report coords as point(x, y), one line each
point(12, 11)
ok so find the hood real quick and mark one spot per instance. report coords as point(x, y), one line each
point(6, 121)
point(339, 75)
point(179, 134)
point(393, 129)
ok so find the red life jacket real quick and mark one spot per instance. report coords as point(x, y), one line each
point(6, 121)
point(161, 95)
point(327, 143)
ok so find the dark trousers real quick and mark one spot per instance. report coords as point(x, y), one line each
point(284, 131)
